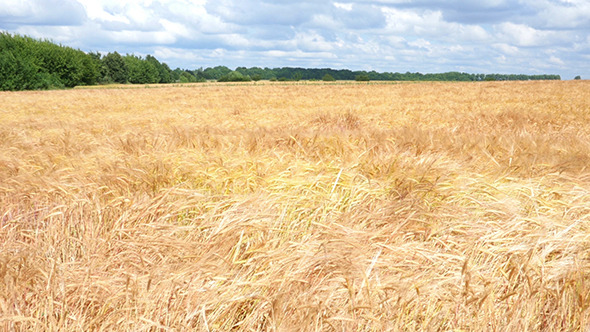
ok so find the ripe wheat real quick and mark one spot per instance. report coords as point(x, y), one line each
point(430, 206)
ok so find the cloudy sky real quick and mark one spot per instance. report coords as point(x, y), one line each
point(428, 36)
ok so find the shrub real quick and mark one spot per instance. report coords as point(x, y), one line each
point(328, 78)
point(27, 63)
point(235, 76)
point(362, 78)
point(115, 68)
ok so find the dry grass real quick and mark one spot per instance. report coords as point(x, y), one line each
point(432, 206)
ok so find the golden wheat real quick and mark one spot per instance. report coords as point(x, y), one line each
point(355, 207)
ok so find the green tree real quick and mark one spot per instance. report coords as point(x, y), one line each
point(18, 69)
point(90, 70)
point(364, 77)
point(187, 77)
point(234, 76)
point(328, 78)
point(216, 73)
point(115, 68)
point(578, 77)
point(141, 71)
point(27, 63)
point(175, 75)
point(163, 69)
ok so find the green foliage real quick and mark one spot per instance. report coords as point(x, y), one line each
point(27, 63)
point(328, 78)
point(364, 77)
point(175, 75)
point(162, 69)
point(16, 72)
point(186, 76)
point(141, 71)
point(90, 70)
point(216, 73)
point(234, 76)
point(578, 77)
point(292, 74)
point(57, 62)
point(114, 68)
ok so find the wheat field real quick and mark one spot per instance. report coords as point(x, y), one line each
point(285, 207)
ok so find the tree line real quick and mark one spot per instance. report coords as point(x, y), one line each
point(297, 74)
point(31, 64)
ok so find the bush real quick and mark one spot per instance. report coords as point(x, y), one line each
point(328, 78)
point(186, 77)
point(234, 76)
point(27, 63)
point(141, 71)
point(45, 81)
point(578, 77)
point(114, 68)
point(362, 78)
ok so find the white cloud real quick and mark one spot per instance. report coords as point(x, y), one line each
point(143, 37)
point(385, 35)
point(431, 24)
point(556, 60)
point(421, 43)
point(506, 49)
point(312, 41)
point(96, 10)
point(41, 12)
point(324, 21)
point(564, 14)
point(16, 8)
point(236, 40)
point(178, 29)
point(298, 54)
point(345, 6)
point(523, 35)
point(170, 53)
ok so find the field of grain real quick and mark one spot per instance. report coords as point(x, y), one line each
point(259, 207)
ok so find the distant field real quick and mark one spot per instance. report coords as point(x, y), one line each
point(428, 206)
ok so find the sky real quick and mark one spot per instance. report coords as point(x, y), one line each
point(427, 36)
